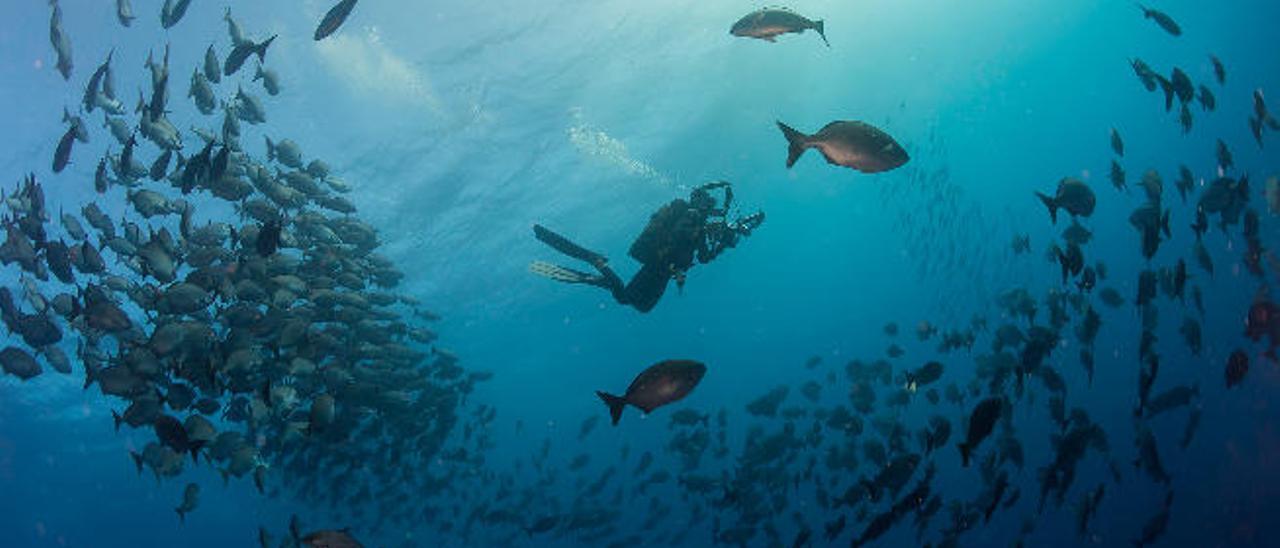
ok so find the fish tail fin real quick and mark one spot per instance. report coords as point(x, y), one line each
point(615, 404)
point(1164, 224)
point(271, 149)
point(964, 454)
point(182, 516)
point(820, 28)
point(117, 418)
point(1051, 204)
point(261, 50)
point(258, 74)
point(796, 143)
point(137, 460)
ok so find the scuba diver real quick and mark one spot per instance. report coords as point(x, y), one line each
point(678, 233)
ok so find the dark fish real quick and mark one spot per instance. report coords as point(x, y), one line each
point(850, 144)
point(190, 499)
point(1207, 101)
point(1145, 74)
point(981, 422)
point(1185, 119)
point(17, 362)
point(241, 53)
point(160, 167)
point(1161, 18)
point(1073, 195)
point(1155, 527)
point(334, 19)
point(1186, 181)
point(62, 155)
point(1182, 85)
point(923, 376)
point(1118, 177)
point(768, 23)
point(1117, 143)
point(1237, 367)
point(268, 238)
point(330, 539)
point(58, 255)
point(1219, 71)
point(662, 383)
point(173, 12)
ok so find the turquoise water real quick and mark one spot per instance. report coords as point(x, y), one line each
point(459, 125)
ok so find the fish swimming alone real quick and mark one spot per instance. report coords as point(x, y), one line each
point(851, 144)
point(334, 19)
point(662, 383)
point(768, 23)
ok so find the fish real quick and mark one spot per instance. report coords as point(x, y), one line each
point(1237, 367)
point(1185, 182)
point(190, 499)
point(270, 81)
point(1162, 19)
point(19, 363)
point(923, 376)
point(660, 384)
point(1219, 71)
point(212, 68)
point(61, 42)
point(202, 92)
point(1118, 176)
point(333, 19)
point(62, 154)
point(1271, 192)
point(851, 144)
point(172, 12)
point(76, 123)
point(982, 422)
point(1185, 119)
point(1206, 98)
point(1117, 143)
point(268, 240)
point(769, 23)
point(124, 13)
point(241, 52)
point(1073, 195)
point(285, 151)
point(1182, 86)
point(1155, 526)
point(1145, 74)
point(1153, 186)
point(330, 539)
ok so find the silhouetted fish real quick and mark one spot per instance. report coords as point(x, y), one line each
point(662, 383)
point(1163, 19)
point(851, 144)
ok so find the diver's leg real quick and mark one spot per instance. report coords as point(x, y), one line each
point(563, 245)
point(646, 288)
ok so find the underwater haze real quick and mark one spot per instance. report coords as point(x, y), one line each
point(1055, 323)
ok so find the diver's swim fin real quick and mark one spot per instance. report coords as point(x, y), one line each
point(563, 245)
point(562, 274)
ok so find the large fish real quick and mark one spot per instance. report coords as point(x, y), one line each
point(1073, 195)
point(851, 144)
point(981, 423)
point(662, 383)
point(334, 19)
point(241, 53)
point(769, 23)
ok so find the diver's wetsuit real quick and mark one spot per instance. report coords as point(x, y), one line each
point(677, 234)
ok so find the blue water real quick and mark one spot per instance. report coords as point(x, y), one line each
point(461, 124)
